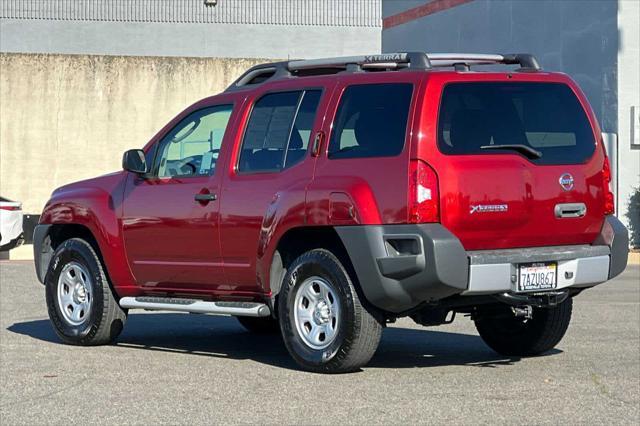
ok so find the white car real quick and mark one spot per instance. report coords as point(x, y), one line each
point(10, 224)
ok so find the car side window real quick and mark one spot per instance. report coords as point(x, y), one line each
point(371, 121)
point(278, 131)
point(302, 127)
point(192, 147)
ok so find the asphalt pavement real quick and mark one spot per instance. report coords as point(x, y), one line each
point(179, 368)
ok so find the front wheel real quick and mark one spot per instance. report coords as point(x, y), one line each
point(512, 336)
point(81, 306)
point(324, 325)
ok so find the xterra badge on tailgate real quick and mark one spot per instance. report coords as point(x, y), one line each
point(488, 208)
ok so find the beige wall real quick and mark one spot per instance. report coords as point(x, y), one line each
point(68, 117)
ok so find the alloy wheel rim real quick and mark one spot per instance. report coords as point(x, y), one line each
point(74, 293)
point(317, 313)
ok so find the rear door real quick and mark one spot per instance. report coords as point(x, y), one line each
point(268, 175)
point(518, 161)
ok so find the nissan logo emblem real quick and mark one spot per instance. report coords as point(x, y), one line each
point(566, 182)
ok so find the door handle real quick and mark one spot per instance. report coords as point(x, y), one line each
point(570, 210)
point(317, 143)
point(205, 198)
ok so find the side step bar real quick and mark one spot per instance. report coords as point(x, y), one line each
point(247, 309)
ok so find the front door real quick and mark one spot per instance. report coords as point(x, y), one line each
point(170, 217)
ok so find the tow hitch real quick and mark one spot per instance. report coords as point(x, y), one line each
point(525, 312)
point(538, 300)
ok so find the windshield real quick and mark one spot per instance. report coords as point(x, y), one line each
point(515, 118)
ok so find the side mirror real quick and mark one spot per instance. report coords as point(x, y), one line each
point(134, 161)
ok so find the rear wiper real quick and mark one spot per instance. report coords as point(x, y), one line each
point(524, 149)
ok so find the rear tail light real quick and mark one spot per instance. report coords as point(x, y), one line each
point(424, 204)
point(10, 208)
point(609, 205)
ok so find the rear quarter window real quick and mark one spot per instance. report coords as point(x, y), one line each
point(371, 121)
point(544, 116)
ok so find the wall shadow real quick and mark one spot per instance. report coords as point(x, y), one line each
point(203, 335)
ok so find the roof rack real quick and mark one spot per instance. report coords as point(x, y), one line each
point(386, 61)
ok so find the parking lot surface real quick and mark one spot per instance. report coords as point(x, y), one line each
point(180, 368)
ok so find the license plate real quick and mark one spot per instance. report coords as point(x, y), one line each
point(537, 276)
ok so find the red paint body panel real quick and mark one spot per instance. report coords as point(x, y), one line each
point(96, 204)
point(378, 186)
point(185, 250)
point(531, 191)
point(155, 239)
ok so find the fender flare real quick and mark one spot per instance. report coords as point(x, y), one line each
point(92, 208)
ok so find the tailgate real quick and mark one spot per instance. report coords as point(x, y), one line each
point(521, 166)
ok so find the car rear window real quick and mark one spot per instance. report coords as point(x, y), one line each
point(544, 116)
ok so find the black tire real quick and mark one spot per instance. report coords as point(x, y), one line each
point(357, 333)
point(105, 319)
point(513, 336)
point(261, 325)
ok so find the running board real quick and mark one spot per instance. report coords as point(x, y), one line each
point(246, 309)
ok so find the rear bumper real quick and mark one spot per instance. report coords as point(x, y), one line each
point(402, 266)
point(496, 271)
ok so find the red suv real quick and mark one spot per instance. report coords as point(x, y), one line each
point(326, 198)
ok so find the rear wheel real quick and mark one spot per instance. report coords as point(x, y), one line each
point(324, 325)
point(509, 335)
point(81, 305)
point(260, 325)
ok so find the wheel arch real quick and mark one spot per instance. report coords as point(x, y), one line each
point(91, 213)
point(296, 241)
point(53, 235)
point(60, 232)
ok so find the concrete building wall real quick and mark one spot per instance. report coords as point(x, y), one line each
point(594, 41)
point(628, 103)
point(69, 117)
point(233, 28)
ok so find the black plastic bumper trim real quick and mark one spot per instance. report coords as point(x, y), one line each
point(41, 250)
point(397, 282)
point(618, 243)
